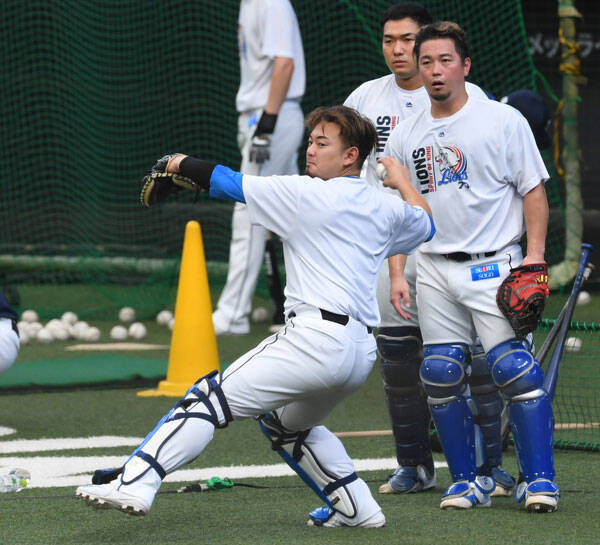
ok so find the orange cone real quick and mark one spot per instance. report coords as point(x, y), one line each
point(193, 343)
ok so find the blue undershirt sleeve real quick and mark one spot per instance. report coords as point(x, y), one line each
point(226, 184)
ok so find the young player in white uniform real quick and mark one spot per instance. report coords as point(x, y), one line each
point(477, 165)
point(336, 232)
point(270, 131)
point(386, 101)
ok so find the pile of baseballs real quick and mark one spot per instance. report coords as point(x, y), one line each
point(63, 329)
point(135, 330)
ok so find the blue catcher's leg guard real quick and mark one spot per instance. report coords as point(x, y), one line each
point(348, 499)
point(490, 405)
point(519, 375)
point(401, 353)
point(178, 438)
point(443, 375)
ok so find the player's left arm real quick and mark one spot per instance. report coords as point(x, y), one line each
point(535, 209)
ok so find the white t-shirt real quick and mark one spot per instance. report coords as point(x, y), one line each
point(267, 29)
point(386, 104)
point(335, 236)
point(473, 169)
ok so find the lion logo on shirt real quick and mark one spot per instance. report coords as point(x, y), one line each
point(453, 166)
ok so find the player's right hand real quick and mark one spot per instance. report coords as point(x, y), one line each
point(399, 295)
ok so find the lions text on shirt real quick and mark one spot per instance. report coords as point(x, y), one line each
point(386, 104)
point(335, 236)
point(267, 29)
point(473, 169)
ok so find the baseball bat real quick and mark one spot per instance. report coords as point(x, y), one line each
point(551, 378)
point(274, 281)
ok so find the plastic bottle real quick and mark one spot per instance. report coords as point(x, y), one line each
point(14, 480)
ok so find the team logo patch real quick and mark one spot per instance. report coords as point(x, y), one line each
point(483, 272)
point(453, 166)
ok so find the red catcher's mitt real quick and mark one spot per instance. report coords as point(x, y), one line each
point(522, 296)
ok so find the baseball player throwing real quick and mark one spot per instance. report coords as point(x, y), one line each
point(270, 130)
point(387, 101)
point(336, 232)
point(477, 165)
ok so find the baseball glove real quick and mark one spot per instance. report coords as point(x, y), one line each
point(522, 295)
point(159, 184)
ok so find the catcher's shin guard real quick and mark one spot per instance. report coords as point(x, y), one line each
point(178, 437)
point(320, 459)
point(443, 374)
point(490, 404)
point(401, 354)
point(519, 375)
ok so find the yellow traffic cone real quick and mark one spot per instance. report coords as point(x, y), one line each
point(193, 344)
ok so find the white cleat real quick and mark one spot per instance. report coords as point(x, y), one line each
point(111, 496)
point(541, 496)
point(328, 518)
point(467, 494)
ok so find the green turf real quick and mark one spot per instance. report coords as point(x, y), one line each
point(273, 516)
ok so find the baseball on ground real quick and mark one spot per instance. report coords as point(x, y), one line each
point(137, 330)
point(260, 315)
point(92, 334)
point(584, 298)
point(69, 318)
point(118, 333)
point(44, 336)
point(127, 314)
point(573, 344)
point(163, 317)
point(30, 316)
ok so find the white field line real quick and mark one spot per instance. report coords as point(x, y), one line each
point(47, 471)
point(117, 346)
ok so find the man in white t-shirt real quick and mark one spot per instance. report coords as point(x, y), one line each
point(270, 131)
point(336, 232)
point(477, 165)
point(386, 101)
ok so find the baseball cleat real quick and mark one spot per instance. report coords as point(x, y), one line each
point(407, 479)
point(541, 495)
point(505, 483)
point(109, 496)
point(329, 518)
point(467, 494)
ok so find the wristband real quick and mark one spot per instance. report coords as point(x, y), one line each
point(198, 170)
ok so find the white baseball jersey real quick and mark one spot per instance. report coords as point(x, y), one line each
point(473, 168)
point(267, 29)
point(335, 236)
point(386, 104)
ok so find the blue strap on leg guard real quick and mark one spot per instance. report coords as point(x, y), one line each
point(443, 375)
point(289, 460)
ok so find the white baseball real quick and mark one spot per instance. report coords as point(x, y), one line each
point(573, 344)
point(59, 333)
point(163, 317)
point(584, 298)
point(118, 333)
point(171, 324)
point(127, 314)
point(23, 328)
point(69, 318)
point(34, 327)
point(381, 171)
point(30, 316)
point(44, 336)
point(24, 337)
point(92, 334)
point(260, 315)
point(79, 330)
point(137, 330)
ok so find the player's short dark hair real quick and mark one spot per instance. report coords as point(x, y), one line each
point(356, 130)
point(407, 10)
point(444, 29)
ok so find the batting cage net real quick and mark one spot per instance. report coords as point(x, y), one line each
point(94, 92)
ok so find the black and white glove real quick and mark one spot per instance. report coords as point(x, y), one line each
point(260, 147)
